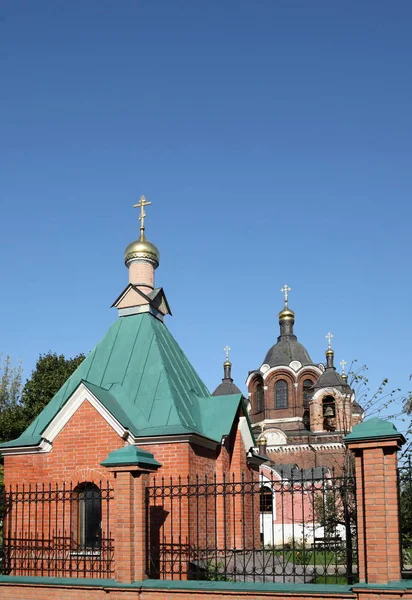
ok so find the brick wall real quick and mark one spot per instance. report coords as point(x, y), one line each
point(104, 592)
point(86, 440)
point(77, 452)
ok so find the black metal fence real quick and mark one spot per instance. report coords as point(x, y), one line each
point(405, 514)
point(294, 526)
point(59, 532)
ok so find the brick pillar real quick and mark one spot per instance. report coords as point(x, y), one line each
point(316, 414)
point(130, 467)
point(374, 444)
point(128, 523)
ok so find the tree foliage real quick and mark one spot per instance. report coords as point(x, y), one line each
point(10, 398)
point(50, 373)
point(19, 404)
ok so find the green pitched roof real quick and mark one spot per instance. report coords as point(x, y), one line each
point(141, 375)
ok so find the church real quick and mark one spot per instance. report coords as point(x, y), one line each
point(136, 405)
point(137, 389)
point(136, 392)
point(300, 410)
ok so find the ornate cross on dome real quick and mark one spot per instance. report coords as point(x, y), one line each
point(141, 204)
point(329, 337)
point(342, 364)
point(285, 290)
point(226, 349)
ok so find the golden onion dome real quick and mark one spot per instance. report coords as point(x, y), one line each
point(144, 250)
point(286, 315)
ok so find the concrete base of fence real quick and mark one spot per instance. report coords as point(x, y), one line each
point(44, 588)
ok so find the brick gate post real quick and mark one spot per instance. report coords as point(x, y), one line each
point(375, 443)
point(131, 467)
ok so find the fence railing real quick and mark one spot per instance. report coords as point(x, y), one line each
point(57, 531)
point(405, 513)
point(299, 526)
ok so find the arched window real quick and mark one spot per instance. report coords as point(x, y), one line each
point(307, 392)
point(281, 394)
point(328, 406)
point(266, 499)
point(89, 516)
point(259, 397)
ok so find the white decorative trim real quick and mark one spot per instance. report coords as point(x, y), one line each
point(314, 369)
point(53, 429)
point(330, 391)
point(274, 421)
point(43, 446)
point(139, 309)
point(295, 374)
point(245, 433)
point(192, 438)
point(81, 394)
point(299, 447)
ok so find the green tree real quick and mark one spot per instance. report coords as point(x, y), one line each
point(10, 398)
point(10, 402)
point(50, 373)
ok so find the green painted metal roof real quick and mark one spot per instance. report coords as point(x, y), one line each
point(130, 455)
point(141, 375)
point(372, 429)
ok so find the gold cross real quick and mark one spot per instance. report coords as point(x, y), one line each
point(329, 337)
point(342, 364)
point(285, 290)
point(141, 204)
point(226, 349)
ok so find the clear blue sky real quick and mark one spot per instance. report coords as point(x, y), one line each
point(274, 139)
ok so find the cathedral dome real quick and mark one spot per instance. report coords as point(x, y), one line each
point(287, 348)
point(285, 351)
point(144, 250)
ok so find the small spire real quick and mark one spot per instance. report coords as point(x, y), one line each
point(262, 445)
point(329, 352)
point(343, 374)
point(227, 365)
point(286, 317)
point(141, 204)
point(285, 291)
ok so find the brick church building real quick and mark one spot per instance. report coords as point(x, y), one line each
point(134, 400)
point(300, 410)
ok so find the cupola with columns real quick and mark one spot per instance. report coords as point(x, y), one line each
point(142, 258)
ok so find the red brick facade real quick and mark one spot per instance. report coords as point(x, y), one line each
point(78, 450)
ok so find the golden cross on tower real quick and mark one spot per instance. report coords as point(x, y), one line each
point(329, 337)
point(141, 204)
point(226, 349)
point(285, 290)
point(342, 364)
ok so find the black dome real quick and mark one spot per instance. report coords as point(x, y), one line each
point(226, 388)
point(286, 350)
